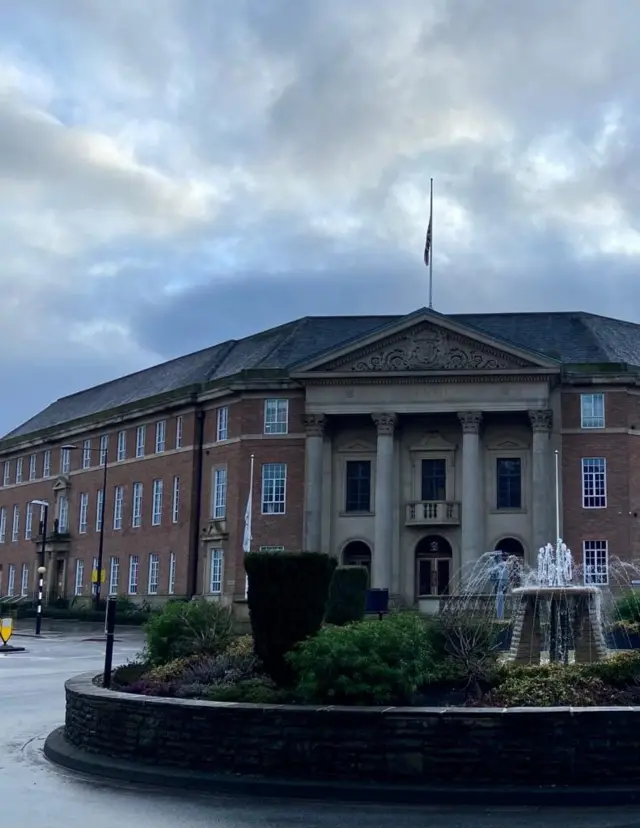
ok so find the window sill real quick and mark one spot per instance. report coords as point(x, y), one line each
point(508, 511)
point(356, 514)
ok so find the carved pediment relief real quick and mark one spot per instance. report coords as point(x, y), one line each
point(506, 445)
point(433, 441)
point(356, 446)
point(215, 530)
point(426, 347)
point(61, 483)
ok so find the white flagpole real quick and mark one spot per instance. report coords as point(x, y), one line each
point(246, 541)
point(558, 535)
point(431, 248)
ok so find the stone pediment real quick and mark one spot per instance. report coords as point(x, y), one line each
point(426, 347)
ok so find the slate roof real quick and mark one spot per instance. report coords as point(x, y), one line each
point(569, 337)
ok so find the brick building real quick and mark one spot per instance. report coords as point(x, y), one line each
point(412, 444)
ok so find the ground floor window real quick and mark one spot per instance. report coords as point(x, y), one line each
point(11, 584)
point(79, 584)
point(596, 562)
point(433, 566)
point(114, 575)
point(357, 553)
point(215, 571)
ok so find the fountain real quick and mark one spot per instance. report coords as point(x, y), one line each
point(557, 621)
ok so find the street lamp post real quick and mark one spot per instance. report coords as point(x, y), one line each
point(101, 536)
point(42, 567)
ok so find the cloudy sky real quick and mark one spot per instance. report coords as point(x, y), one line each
point(178, 172)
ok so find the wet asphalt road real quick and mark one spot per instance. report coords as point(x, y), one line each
point(36, 794)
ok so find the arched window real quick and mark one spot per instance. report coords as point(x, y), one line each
point(433, 566)
point(510, 546)
point(357, 553)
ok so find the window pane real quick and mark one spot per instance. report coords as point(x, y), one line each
point(434, 479)
point(358, 486)
point(509, 483)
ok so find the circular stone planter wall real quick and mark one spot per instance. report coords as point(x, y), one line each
point(455, 746)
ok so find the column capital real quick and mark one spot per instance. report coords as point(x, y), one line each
point(470, 421)
point(314, 424)
point(385, 422)
point(541, 420)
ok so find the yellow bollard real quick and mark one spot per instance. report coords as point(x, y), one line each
point(6, 630)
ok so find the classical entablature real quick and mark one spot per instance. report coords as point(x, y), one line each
point(425, 347)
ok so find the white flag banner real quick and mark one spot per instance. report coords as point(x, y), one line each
point(246, 540)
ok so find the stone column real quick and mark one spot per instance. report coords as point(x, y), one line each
point(384, 495)
point(314, 425)
point(542, 484)
point(471, 535)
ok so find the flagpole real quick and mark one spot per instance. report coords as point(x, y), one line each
point(431, 247)
point(246, 541)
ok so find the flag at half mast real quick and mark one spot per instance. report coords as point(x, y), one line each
point(429, 238)
point(246, 540)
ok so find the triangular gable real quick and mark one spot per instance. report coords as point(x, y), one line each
point(426, 341)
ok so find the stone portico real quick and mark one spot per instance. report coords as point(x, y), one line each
point(429, 407)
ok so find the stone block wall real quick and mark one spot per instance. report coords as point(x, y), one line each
point(431, 746)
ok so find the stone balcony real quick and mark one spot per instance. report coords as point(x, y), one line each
point(433, 513)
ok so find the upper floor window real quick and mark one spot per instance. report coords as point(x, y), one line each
point(141, 432)
point(65, 461)
point(136, 512)
point(276, 416)
point(179, 427)
point(592, 410)
point(46, 464)
point(104, 448)
point(6, 478)
point(358, 486)
point(122, 445)
point(3, 524)
point(86, 454)
point(19, 465)
point(274, 488)
point(84, 507)
point(433, 482)
point(161, 436)
point(596, 562)
point(175, 500)
point(117, 507)
point(28, 521)
point(33, 459)
point(63, 514)
point(594, 482)
point(509, 483)
point(222, 424)
point(156, 515)
point(219, 494)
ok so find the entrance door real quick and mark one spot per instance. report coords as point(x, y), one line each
point(433, 566)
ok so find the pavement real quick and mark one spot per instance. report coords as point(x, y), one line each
point(32, 705)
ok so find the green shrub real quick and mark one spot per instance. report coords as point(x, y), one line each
point(242, 645)
point(627, 607)
point(172, 670)
point(250, 691)
point(553, 686)
point(367, 662)
point(183, 629)
point(128, 674)
point(620, 671)
point(287, 599)
point(347, 595)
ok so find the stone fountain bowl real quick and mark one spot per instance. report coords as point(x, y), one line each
point(550, 591)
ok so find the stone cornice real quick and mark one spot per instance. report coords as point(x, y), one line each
point(422, 379)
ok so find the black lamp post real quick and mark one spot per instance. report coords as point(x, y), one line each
point(42, 566)
point(102, 507)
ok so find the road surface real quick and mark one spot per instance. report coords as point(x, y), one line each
point(36, 794)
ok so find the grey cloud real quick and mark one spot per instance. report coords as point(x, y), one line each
point(306, 114)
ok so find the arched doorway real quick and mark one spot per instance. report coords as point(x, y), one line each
point(357, 553)
point(510, 546)
point(434, 558)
